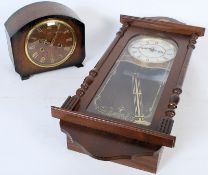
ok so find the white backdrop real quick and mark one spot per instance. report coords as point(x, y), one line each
point(30, 139)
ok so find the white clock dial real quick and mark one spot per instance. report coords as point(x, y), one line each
point(152, 49)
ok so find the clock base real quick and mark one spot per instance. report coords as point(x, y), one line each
point(25, 77)
point(111, 147)
point(79, 65)
point(145, 163)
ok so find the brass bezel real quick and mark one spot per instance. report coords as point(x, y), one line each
point(64, 59)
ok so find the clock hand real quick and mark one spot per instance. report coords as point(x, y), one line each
point(152, 49)
point(54, 39)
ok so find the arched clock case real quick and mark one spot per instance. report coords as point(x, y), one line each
point(44, 36)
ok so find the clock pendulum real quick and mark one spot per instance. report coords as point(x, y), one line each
point(139, 116)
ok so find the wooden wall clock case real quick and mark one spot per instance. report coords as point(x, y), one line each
point(111, 139)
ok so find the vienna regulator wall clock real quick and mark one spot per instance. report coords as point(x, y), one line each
point(44, 36)
point(124, 110)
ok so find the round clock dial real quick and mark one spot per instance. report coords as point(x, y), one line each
point(152, 50)
point(50, 43)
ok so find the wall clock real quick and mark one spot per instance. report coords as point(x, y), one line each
point(46, 39)
point(123, 111)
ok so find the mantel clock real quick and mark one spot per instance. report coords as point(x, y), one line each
point(123, 111)
point(44, 36)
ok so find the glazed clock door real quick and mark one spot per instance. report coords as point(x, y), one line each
point(133, 87)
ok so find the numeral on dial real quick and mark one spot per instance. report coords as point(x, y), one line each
point(42, 60)
point(31, 47)
point(67, 49)
point(52, 60)
point(35, 55)
point(33, 38)
point(68, 39)
point(66, 31)
point(60, 45)
point(39, 30)
point(46, 42)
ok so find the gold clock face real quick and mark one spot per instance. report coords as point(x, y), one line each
point(50, 43)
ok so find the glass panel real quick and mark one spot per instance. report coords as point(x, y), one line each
point(133, 87)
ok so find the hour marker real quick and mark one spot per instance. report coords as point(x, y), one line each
point(42, 40)
point(58, 25)
point(39, 30)
point(35, 55)
point(33, 38)
point(42, 60)
point(52, 60)
point(46, 42)
point(31, 47)
point(68, 39)
point(59, 45)
point(67, 49)
point(66, 31)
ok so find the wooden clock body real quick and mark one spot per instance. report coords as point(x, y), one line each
point(110, 139)
point(21, 22)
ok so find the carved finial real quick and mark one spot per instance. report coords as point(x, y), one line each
point(71, 102)
point(192, 41)
point(123, 29)
point(87, 82)
point(167, 121)
point(173, 102)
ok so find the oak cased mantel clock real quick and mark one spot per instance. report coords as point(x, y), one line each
point(45, 36)
point(123, 111)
